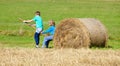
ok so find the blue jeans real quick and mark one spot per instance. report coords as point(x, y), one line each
point(46, 41)
point(36, 35)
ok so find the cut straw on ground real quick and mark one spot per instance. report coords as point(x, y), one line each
point(58, 57)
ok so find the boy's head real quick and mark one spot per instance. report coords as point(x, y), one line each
point(52, 23)
point(37, 13)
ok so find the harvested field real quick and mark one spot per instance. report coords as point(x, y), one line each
point(59, 57)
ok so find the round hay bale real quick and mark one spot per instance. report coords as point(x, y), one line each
point(80, 32)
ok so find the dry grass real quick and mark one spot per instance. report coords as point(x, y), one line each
point(59, 57)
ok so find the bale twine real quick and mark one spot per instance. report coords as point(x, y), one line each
point(80, 32)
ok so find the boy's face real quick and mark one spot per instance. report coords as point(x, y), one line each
point(35, 13)
point(50, 23)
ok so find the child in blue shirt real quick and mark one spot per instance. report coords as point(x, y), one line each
point(39, 26)
point(51, 31)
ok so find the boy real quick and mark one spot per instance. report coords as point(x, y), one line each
point(51, 31)
point(39, 26)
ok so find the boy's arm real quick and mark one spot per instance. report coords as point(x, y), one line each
point(27, 21)
point(46, 31)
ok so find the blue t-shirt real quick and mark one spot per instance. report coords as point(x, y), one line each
point(50, 30)
point(38, 20)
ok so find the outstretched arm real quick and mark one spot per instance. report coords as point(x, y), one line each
point(27, 21)
point(47, 31)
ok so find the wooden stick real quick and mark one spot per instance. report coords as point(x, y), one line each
point(31, 25)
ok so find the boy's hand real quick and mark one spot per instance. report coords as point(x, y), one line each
point(24, 21)
point(42, 32)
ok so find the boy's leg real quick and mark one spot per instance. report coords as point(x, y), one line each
point(47, 44)
point(36, 36)
point(46, 41)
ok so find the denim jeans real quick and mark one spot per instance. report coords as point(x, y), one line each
point(36, 35)
point(46, 41)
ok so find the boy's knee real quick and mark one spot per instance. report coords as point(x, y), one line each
point(45, 38)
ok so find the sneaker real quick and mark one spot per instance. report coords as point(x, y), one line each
point(43, 46)
point(37, 46)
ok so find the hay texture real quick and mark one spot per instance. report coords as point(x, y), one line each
point(80, 32)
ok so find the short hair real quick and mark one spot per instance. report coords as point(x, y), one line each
point(38, 13)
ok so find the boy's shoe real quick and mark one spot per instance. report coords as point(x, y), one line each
point(43, 46)
point(37, 46)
